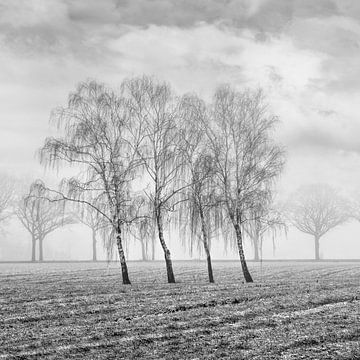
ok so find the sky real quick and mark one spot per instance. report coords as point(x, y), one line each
point(305, 54)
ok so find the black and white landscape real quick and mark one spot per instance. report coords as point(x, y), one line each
point(179, 179)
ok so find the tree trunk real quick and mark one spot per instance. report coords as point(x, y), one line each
point(153, 248)
point(33, 249)
point(126, 247)
point(245, 269)
point(94, 257)
point(124, 269)
point(209, 266)
point(169, 268)
point(41, 252)
point(143, 250)
point(206, 247)
point(256, 250)
point(317, 248)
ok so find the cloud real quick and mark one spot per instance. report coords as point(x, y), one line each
point(215, 54)
point(80, 28)
point(39, 28)
point(305, 55)
point(185, 13)
point(265, 15)
point(315, 137)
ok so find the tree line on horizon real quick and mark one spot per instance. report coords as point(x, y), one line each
point(148, 160)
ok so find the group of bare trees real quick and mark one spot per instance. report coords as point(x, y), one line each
point(148, 160)
point(40, 218)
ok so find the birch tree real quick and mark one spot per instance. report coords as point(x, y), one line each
point(200, 213)
point(246, 159)
point(315, 210)
point(155, 108)
point(100, 140)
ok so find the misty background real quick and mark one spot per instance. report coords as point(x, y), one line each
point(304, 54)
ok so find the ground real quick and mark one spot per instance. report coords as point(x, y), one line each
point(82, 311)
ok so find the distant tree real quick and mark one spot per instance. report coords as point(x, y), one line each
point(41, 217)
point(264, 220)
point(96, 223)
point(7, 193)
point(246, 159)
point(155, 108)
point(353, 205)
point(101, 140)
point(143, 232)
point(315, 210)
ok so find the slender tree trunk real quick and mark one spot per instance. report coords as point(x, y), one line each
point(208, 260)
point(256, 249)
point(33, 248)
point(41, 251)
point(317, 248)
point(147, 249)
point(153, 248)
point(169, 268)
point(239, 241)
point(206, 246)
point(127, 249)
point(94, 257)
point(124, 269)
point(143, 250)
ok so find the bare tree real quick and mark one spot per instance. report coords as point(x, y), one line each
point(7, 192)
point(154, 107)
point(264, 220)
point(200, 213)
point(41, 217)
point(316, 209)
point(96, 223)
point(143, 232)
point(353, 206)
point(246, 160)
point(99, 139)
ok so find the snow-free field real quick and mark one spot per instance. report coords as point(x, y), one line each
point(82, 311)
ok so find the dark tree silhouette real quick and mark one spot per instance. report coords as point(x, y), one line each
point(316, 209)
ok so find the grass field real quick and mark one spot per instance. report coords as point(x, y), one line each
point(82, 311)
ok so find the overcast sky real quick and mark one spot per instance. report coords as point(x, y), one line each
point(304, 53)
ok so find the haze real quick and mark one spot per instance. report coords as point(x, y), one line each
point(304, 54)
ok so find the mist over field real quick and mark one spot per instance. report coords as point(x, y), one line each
point(74, 243)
